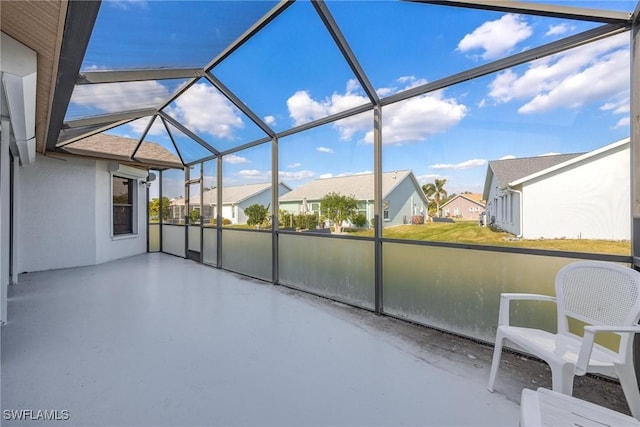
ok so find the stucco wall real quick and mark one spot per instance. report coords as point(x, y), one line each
point(503, 209)
point(466, 209)
point(590, 201)
point(64, 217)
point(109, 248)
point(400, 203)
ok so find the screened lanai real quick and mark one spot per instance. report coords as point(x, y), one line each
point(163, 126)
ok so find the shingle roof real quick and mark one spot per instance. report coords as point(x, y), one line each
point(234, 194)
point(509, 170)
point(359, 186)
point(121, 148)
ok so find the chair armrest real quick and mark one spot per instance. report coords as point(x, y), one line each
point(506, 298)
point(589, 338)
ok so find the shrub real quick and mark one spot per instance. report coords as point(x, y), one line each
point(286, 219)
point(194, 217)
point(226, 221)
point(359, 220)
point(257, 214)
point(417, 219)
point(306, 221)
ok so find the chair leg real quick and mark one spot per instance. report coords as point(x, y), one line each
point(627, 376)
point(497, 355)
point(562, 378)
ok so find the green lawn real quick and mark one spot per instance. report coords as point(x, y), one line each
point(471, 232)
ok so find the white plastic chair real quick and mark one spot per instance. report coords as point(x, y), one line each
point(604, 295)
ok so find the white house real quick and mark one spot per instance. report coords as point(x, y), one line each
point(402, 196)
point(561, 196)
point(235, 199)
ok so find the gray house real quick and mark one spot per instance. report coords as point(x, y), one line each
point(401, 192)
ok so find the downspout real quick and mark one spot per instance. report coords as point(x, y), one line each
point(521, 211)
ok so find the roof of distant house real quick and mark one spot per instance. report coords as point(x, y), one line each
point(509, 170)
point(359, 186)
point(237, 193)
point(474, 198)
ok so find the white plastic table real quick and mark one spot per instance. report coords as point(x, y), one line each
point(548, 408)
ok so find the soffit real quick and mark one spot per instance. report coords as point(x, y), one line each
point(38, 25)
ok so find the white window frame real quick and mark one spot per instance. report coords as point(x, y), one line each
point(386, 214)
point(134, 206)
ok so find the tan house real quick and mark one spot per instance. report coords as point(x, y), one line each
point(466, 206)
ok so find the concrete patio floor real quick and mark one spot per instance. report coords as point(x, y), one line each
point(158, 340)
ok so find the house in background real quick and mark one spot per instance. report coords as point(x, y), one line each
point(402, 196)
point(235, 199)
point(562, 196)
point(466, 207)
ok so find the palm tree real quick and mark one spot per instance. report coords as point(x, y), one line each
point(435, 192)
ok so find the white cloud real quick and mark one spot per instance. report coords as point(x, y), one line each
point(595, 72)
point(303, 108)
point(330, 175)
point(619, 106)
point(255, 175)
point(497, 37)
point(125, 4)
point(294, 165)
point(250, 172)
point(623, 122)
point(467, 164)
point(116, 97)
point(552, 153)
point(295, 175)
point(270, 120)
point(507, 157)
point(324, 150)
point(403, 122)
point(556, 30)
point(234, 160)
point(203, 109)
point(423, 179)
point(138, 126)
point(418, 118)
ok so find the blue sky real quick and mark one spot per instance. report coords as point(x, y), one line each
point(292, 73)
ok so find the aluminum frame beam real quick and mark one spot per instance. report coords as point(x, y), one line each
point(187, 132)
point(173, 141)
point(253, 30)
point(323, 121)
point(554, 11)
point(377, 208)
point(635, 139)
point(91, 132)
point(510, 61)
point(79, 22)
point(110, 118)
point(143, 136)
point(349, 56)
point(270, 16)
point(122, 76)
point(239, 104)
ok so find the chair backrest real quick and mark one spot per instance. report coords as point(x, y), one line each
point(598, 293)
